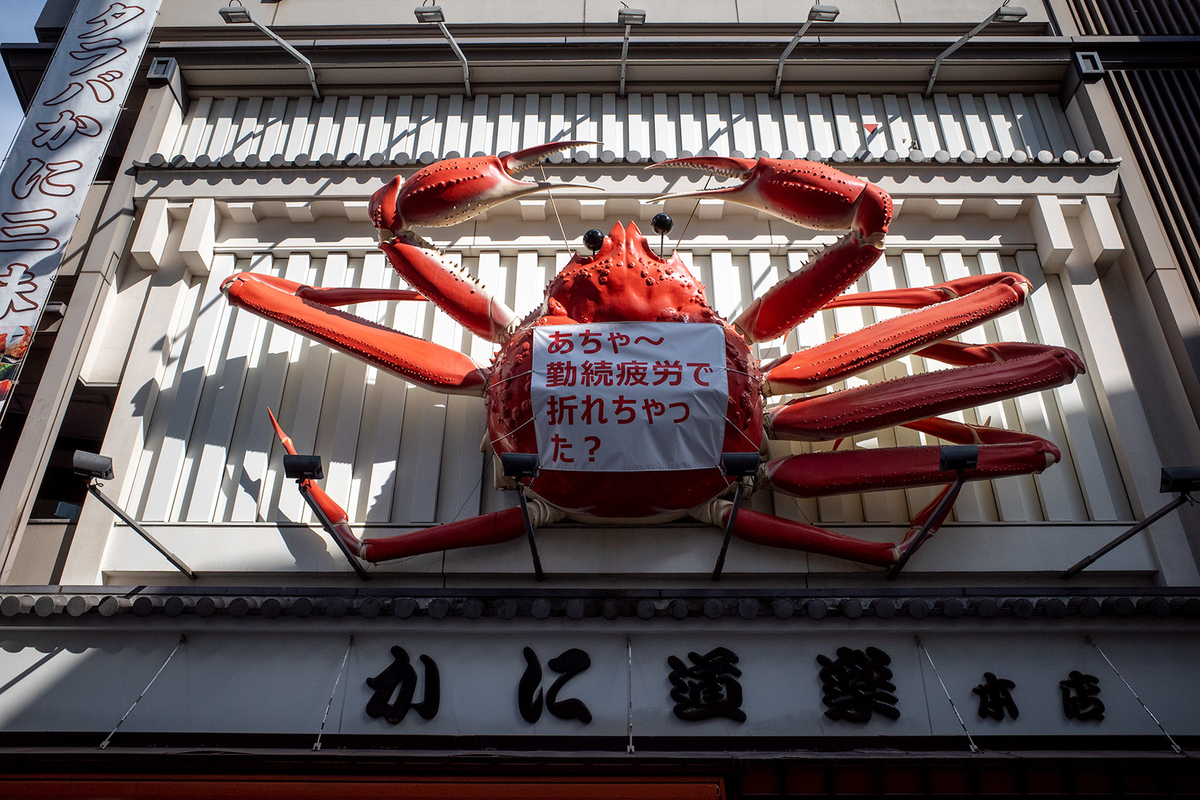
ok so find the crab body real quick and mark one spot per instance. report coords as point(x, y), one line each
point(624, 281)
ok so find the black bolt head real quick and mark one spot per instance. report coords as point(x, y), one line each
point(593, 240)
point(662, 224)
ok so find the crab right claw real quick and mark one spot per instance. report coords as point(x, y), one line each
point(814, 196)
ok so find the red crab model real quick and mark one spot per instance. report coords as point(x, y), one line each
point(625, 281)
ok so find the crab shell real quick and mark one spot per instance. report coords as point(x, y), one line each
point(623, 281)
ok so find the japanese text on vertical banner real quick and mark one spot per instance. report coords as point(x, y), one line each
point(629, 396)
point(54, 159)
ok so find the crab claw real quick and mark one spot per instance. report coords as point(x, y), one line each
point(802, 192)
point(457, 189)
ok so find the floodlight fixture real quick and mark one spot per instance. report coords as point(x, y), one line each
point(236, 14)
point(818, 13)
point(433, 14)
point(628, 17)
point(1005, 13)
point(303, 468)
point(951, 458)
point(1184, 480)
point(736, 466)
point(518, 466)
point(96, 467)
point(958, 457)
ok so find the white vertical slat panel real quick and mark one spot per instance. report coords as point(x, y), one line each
point(376, 114)
point(213, 429)
point(915, 271)
point(252, 479)
point(480, 142)
point(527, 284)
point(323, 136)
point(897, 124)
point(1049, 112)
point(185, 397)
point(427, 129)
point(1002, 126)
point(977, 127)
point(304, 391)
point(386, 398)
point(1027, 125)
point(560, 129)
point(416, 492)
point(820, 121)
point(530, 129)
point(432, 438)
point(194, 130)
point(743, 125)
point(665, 140)
point(504, 125)
point(923, 126)
point(947, 122)
point(768, 125)
point(455, 141)
point(1016, 496)
point(350, 138)
point(271, 142)
point(727, 295)
point(249, 131)
point(717, 134)
point(300, 131)
point(612, 131)
point(976, 502)
point(1095, 464)
point(846, 125)
point(876, 141)
point(585, 126)
point(639, 127)
point(691, 126)
point(223, 126)
point(795, 126)
point(345, 385)
point(404, 135)
point(1060, 495)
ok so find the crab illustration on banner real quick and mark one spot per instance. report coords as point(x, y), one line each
point(630, 388)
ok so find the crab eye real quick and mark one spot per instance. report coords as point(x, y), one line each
point(662, 224)
point(593, 240)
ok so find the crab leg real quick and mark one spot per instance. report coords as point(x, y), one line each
point(446, 193)
point(864, 349)
point(814, 196)
point(309, 312)
point(921, 296)
point(499, 526)
point(894, 402)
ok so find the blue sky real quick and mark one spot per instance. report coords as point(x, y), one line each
point(16, 25)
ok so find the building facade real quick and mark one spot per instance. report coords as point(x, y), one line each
point(1057, 145)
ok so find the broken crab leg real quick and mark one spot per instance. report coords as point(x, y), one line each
point(857, 352)
point(767, 529)
point(842, 471)
point(451, 287)
point(894, 402)
point(499, 526)
point(293, 306)
point(815, 196)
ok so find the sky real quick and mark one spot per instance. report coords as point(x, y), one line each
point(16, 25)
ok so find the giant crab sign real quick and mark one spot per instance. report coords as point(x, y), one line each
point(704, 390)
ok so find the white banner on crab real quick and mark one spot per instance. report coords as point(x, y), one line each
point(629, 396)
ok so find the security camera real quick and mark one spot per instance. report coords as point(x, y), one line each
point(1180, 479)
point(91, 465)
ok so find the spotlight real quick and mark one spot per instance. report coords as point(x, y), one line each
point(519, 465)
point(91, 465)
point(958, 457)
point(631, 16)
point(429, 14)
point(302, 468)
point(1180, 479)
point(739, 465)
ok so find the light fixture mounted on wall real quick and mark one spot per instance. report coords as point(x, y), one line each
point(628, 17)
point(433, 14)
point(1004, 13)
point(237, 14)
point(818, 13)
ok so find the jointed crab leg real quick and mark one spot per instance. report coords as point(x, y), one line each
point(880, 405)
point(446, 193)
point(921, 296)
point(814, 196)
point(864, 349)
point(300, 308)
point(499, 526)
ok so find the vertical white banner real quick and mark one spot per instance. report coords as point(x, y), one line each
point(629, 396)
point(54, 159)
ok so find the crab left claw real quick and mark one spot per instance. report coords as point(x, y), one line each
point(456, 189)
point(814, 196)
